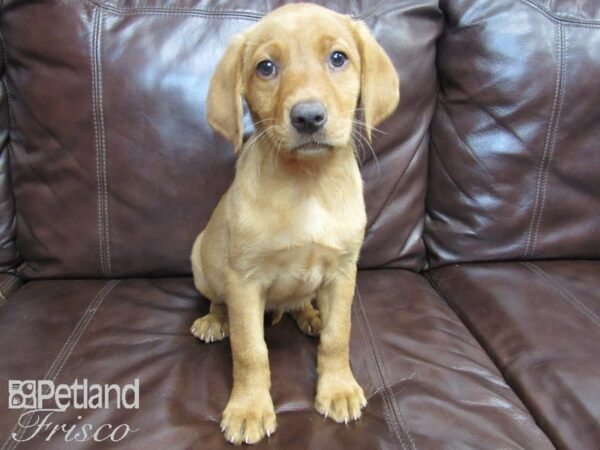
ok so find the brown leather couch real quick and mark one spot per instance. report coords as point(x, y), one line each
point(477, 315)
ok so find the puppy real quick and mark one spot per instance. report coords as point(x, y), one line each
point(290, 227)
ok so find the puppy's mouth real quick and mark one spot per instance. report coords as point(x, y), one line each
point(312, 147)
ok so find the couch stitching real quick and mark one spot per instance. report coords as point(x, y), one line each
point(5, 55)
point(544, 164)
point(7, 286)
point(3, 298)
point(96, 139)
point(63, 355)
point(14, 280)
point(554, 134)
point(208, 13)
point(11, 121)
point(574, 301)
point(370, 361)
point(3, 284)
point(541, 167)
point(572, 21)
point(104, 164)
point(87, 320)
point(100, 143)
point(401, 430)
point(249, 15)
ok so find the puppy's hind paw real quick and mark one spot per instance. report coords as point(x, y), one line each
point(211, 327)
point(308, 320)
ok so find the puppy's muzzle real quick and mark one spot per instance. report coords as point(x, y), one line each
point(308, 117)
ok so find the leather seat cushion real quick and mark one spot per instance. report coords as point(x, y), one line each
point(428, 382)
point(540, 322)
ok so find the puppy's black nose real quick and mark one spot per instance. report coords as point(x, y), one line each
point(308, 117)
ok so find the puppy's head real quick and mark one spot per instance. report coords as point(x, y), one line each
point(303, 71)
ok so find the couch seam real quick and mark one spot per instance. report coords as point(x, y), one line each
point(5, 55)
point(3, 284)
point(100, 144)
point(208, 13)
point(170, 11)
point(9, 148)
point(572, 21)
point(372, 367)
point(104, 163)
point(64, 354)
point(11, 117)
point(564, 293)
point(549, 146)
point(563, 57)
point(6, 286)
point(400, 430)
point(96, 137)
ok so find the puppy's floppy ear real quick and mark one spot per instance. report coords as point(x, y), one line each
point(224, 103)
point(380, 86)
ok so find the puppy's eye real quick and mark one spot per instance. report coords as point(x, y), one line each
point(266, 69)
point(338, 59)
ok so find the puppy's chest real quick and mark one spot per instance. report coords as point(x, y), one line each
point(295, 250)
point(311, 227)
point(296, 273)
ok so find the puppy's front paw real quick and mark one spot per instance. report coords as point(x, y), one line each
point(211, 327)
point(249, 418)
point(340, 398)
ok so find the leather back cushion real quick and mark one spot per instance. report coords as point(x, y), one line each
point(515, 166)
point(115, 170)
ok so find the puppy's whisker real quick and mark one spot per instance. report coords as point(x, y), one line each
point(361, 123)
point(370, 147)
point(355, 141)
point(253, 125)
point(256, 138)
point(365, 125)
point(360, 139)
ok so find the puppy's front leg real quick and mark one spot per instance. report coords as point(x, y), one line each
point(249, 413)
point(338, 394)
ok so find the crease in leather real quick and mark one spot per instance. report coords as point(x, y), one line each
point(100, 144)
point(549, 145)
point(495, 118)
point(63, 355)
point(414, 238)
point(397, 425)
point(463, 191)
point(459, 136)
point(564, 293)
point(397, 183)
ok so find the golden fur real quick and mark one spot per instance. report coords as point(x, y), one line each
point(290, 227)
